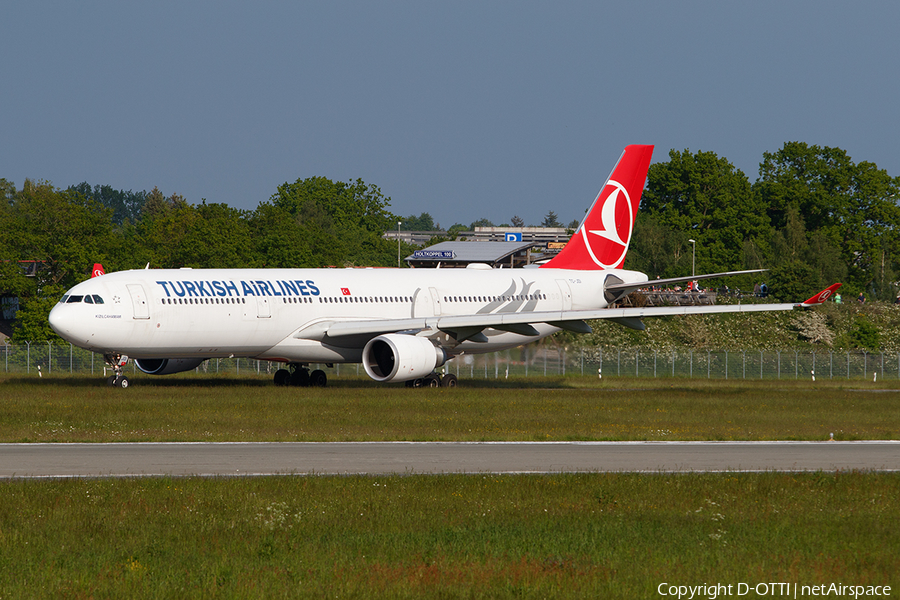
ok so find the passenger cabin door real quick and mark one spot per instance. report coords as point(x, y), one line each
point(262, 305)
point(139, 301)
point(435, 301)
point(565, 294)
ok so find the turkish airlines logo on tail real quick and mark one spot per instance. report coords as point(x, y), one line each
point(607, 232)
point(97, 271)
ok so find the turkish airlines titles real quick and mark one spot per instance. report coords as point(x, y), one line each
point(225, 288)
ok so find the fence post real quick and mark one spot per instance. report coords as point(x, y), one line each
point(760, 364)
point(28, 357)
point(726, 364)
point(49, 357)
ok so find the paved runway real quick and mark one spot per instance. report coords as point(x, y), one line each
point(230, 459)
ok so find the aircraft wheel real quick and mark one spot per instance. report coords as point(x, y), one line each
point(417, 383)
point(300, 378)
point(282, 377)
point(433, 380)
point(318, 378)
point(111, 381)
point(122, 382)
point(450, 381)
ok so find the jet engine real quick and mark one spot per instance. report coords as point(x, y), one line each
point(395, 357)
point(167, 366)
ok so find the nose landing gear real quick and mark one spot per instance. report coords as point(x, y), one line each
point(116, 362)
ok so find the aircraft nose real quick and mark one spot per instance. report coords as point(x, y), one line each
point(56, 320)
point(61, 321)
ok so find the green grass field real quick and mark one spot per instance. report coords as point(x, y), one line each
point(61, 409)
point(561, 536)
point(564, 536)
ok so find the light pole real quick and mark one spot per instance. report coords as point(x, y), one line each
point(398, 244)
point(693, 255)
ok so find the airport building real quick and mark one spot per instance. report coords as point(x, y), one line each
point(509, 247)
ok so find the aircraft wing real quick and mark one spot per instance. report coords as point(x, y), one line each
point(469, 327)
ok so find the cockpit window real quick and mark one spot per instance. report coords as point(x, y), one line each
point(74, 299)
point(63, 299)
point(97, 299)
point(88, 299)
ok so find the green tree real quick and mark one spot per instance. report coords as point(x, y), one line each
point(424, 222)
point(125, 206)
point(305, 240)
point(704, 197)
point(65, 233)
point(658, 250)
point(551, 219)
point(481, 223)
point(850, 209)
point(354, 215)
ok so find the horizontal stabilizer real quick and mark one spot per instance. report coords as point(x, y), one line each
point(627, 287)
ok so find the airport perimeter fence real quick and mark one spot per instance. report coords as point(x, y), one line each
point(535, 360)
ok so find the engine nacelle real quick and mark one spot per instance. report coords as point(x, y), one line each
point(395, 357)
point(167, 366)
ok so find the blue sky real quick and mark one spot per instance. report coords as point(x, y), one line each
point(465, 110)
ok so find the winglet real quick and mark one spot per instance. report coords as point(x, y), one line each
point(97, 271)
point(822, 296)
point(603, 237)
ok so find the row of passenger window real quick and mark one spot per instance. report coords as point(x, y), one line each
point(203, 301)
point(517, 298)
point(87, 299)
point(364, 299)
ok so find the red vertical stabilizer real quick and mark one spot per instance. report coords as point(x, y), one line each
point(603, 237)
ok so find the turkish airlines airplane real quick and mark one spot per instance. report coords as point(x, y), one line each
point(401, 324)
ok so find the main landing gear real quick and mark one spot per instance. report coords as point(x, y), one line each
point(116, 362)
point(298, 374)
point(434, 380)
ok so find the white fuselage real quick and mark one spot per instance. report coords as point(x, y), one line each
point(264, 313)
